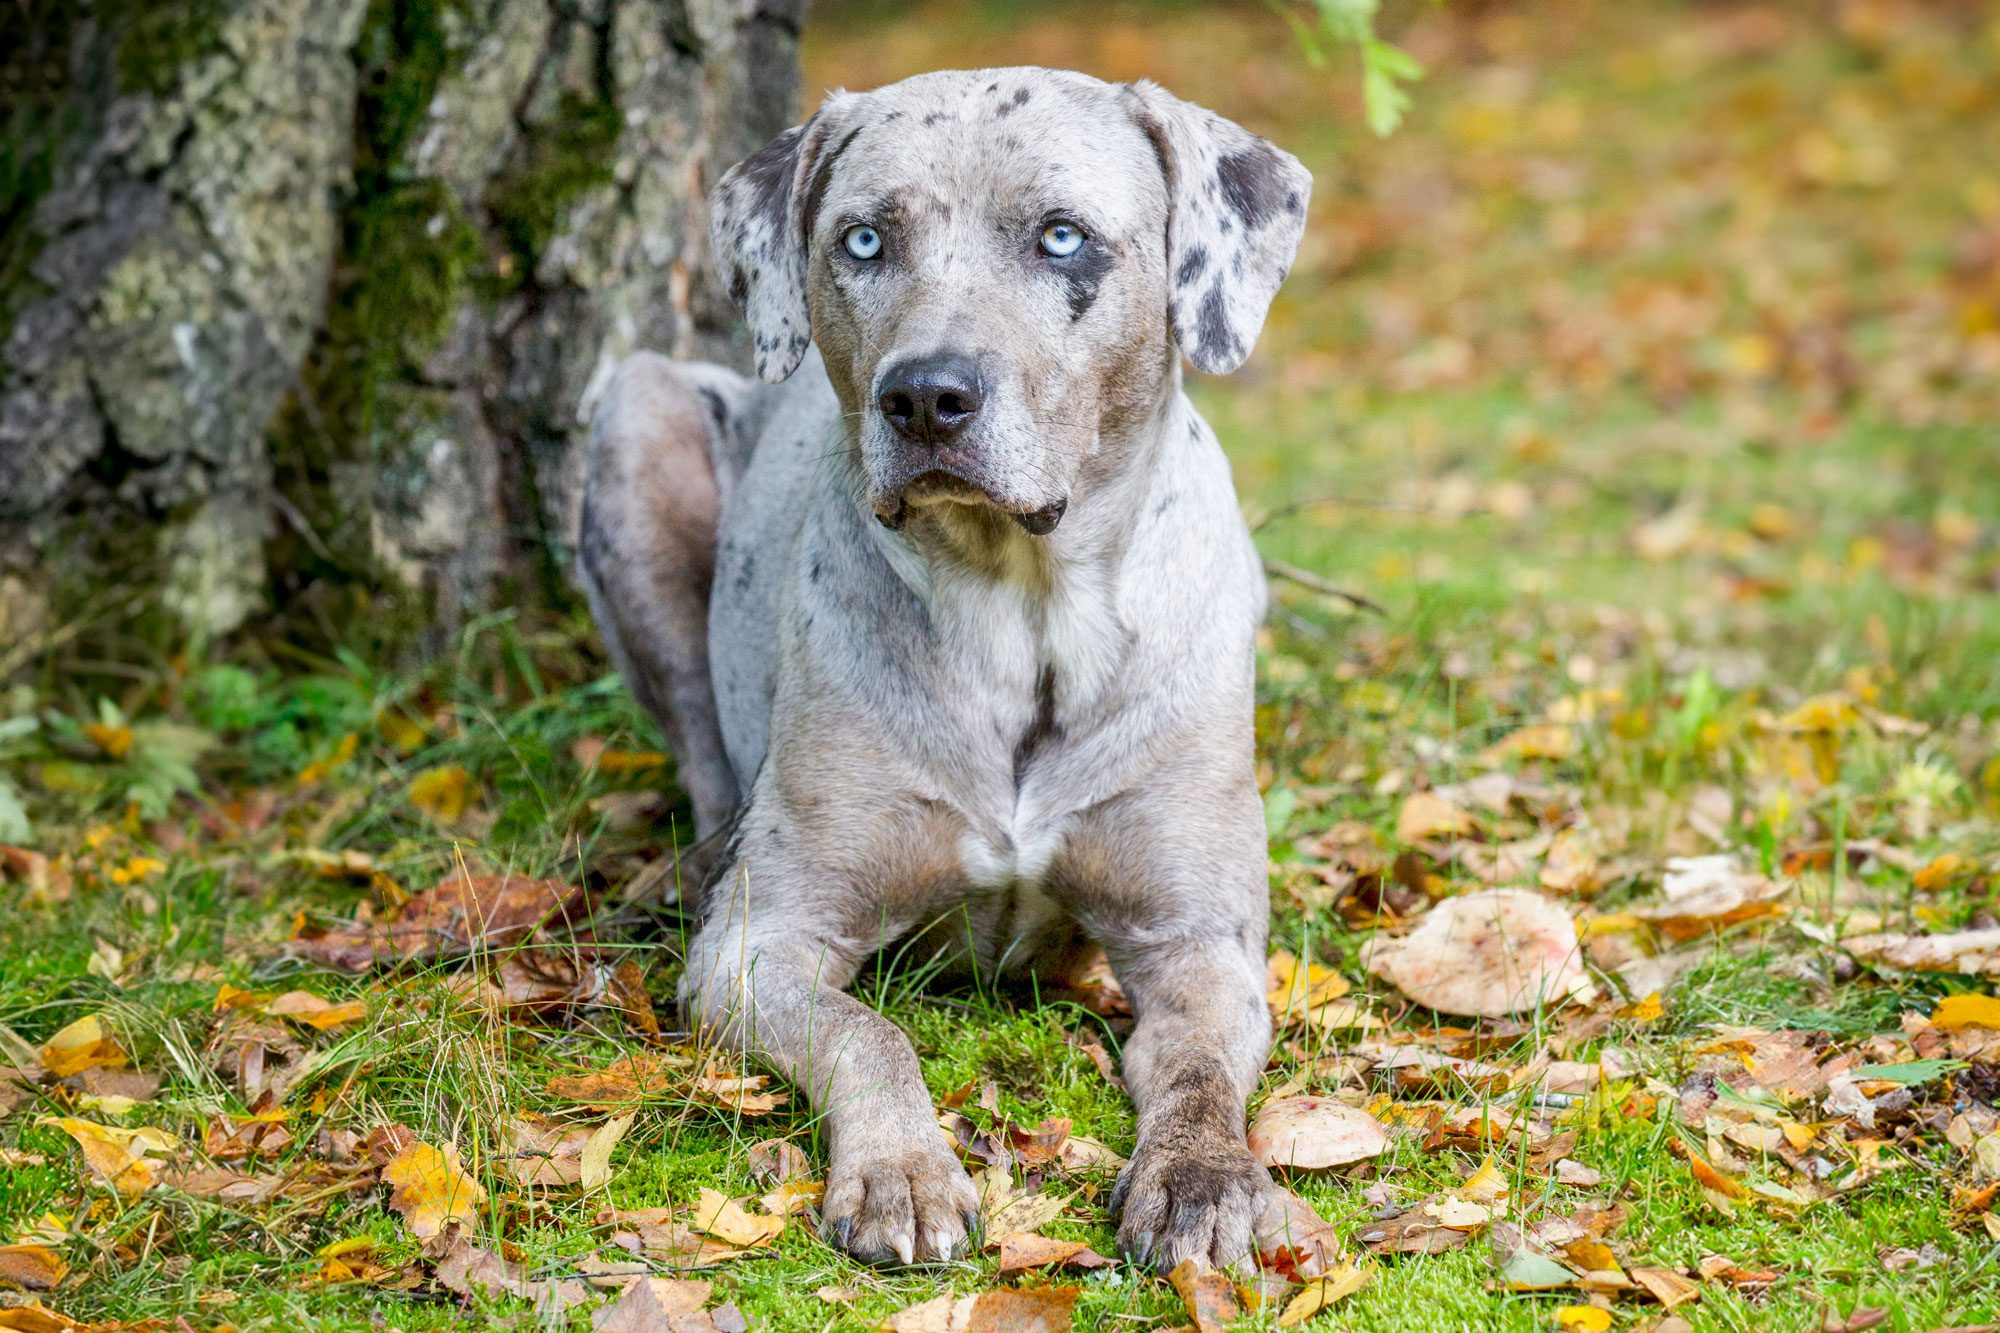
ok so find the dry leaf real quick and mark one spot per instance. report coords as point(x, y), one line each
point(726, 1219)
point(430, 1189)
point(443, 793)
point(34, 1267)
point(657, 1305)
point(1310, 1133)
point(594, 1170)
point(1293, 1241)
point(1583, 1319)
point(625, 1080)
point(315, 1012)
point(775, 1161)
point(1971, 952)
point(1426, 815)
point(1485, 955)
point(117, 1156)
point(545, 1154)
point(1666, 1286)
point(1008, 1310)
point(1711, 893)
point(82, 1045)
point(1024, 1251)
point(1207, 1295)
point(1322, 1292)
point(463, 914)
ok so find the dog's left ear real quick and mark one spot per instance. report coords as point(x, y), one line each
point(1236, 207)
point(759, 230)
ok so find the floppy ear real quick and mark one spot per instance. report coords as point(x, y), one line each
point(1236, 207)
point(758, 228)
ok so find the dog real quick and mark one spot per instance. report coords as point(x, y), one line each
point(949, 621)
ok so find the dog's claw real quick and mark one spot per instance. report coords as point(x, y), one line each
point(843, 1231)
point(1142, 1249)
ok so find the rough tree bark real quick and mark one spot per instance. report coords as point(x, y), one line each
point(299, 295)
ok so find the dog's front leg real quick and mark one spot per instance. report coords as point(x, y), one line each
point(1192, 1189)
point(767, 987)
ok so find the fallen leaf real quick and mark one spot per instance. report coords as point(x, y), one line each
point(1666, 1286)
point(1583, 1319)
point(775, 1161)
point(1293, 1241)
point(724, 1218)
point(1704, 894)
point(443, 793)
point(1956, 1012)
point(1008, 1310)
point(34, 1317)
point(34, 1267)
point(117, 1156)
point(1426, 815)
point(1310, 1133)
point(82, 1045)
point(1207, 1295)
point(594, 1168)
point(321, 1014)
point(656, 1305)
point(542, 1153)
point(1485, 954)
point(625, 1080)
point(463, 914)
point(1023, 1251)
point(1322, 1292)
point(431, 1190)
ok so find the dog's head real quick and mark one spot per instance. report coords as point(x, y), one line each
point(996, 265)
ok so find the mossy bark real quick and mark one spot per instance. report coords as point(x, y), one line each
point(304, 296)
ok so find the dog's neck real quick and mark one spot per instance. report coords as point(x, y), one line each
point(1113, 486)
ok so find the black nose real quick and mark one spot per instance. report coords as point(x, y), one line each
point(931, 399)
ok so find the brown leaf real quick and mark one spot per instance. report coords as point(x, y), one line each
point(463, 914)
point(1310, 1133)
point(1711, 893)
point(1293, 1240)
point(1207, 1295)
point(34, 1267)
point(1426, 815)
point(1024, 1251)
point(119, 1157)
point(1008, 1310)
point(1485, 954)
point(321, 1014)
point(1665, 1286)
point(724, 1218)
point(626, 1080)
point(742, 1094)
point(775, 1161)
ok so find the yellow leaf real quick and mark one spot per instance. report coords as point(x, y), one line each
point(1428, 815)
point(1941, 872)
point(596, 1169)
point(114, 741)
point(1342, 1282)
point(726, 1219)
point(115, 1155)
point(442, 793)
point(1647, 1010)
point(622, 762)
point(80, 1046)
point(1966, 1011)
point(1487, 1184)
point(315, 1012)
point(1583, 1319)
point(321, 769)
point(430, 1189)
point(1295, 991)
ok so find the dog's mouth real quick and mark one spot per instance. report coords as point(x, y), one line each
point(944, 486)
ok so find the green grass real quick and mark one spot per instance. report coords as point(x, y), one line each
point(1609, 272)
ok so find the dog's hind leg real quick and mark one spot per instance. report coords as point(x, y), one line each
point(647, 556)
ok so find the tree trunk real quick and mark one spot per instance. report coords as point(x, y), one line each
point(300, 296)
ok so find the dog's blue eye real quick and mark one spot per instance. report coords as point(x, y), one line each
point(1062, 239)
point(862, 242)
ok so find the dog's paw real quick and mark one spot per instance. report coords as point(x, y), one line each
point(916, 1206)
point(1185, 1203)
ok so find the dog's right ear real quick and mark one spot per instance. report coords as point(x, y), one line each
point(759, 231)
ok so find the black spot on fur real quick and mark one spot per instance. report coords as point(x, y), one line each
point(1251, 182)
point(1042, 729)
point(813, 574)
point(1212, 332)
point(767, 175)
point(1082, 275)
point(1020, 99)
point(933, 118)
point(1191, 265)
point(993, 87)
point(1167, 500)
point(739, 287)
point(822, 173)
